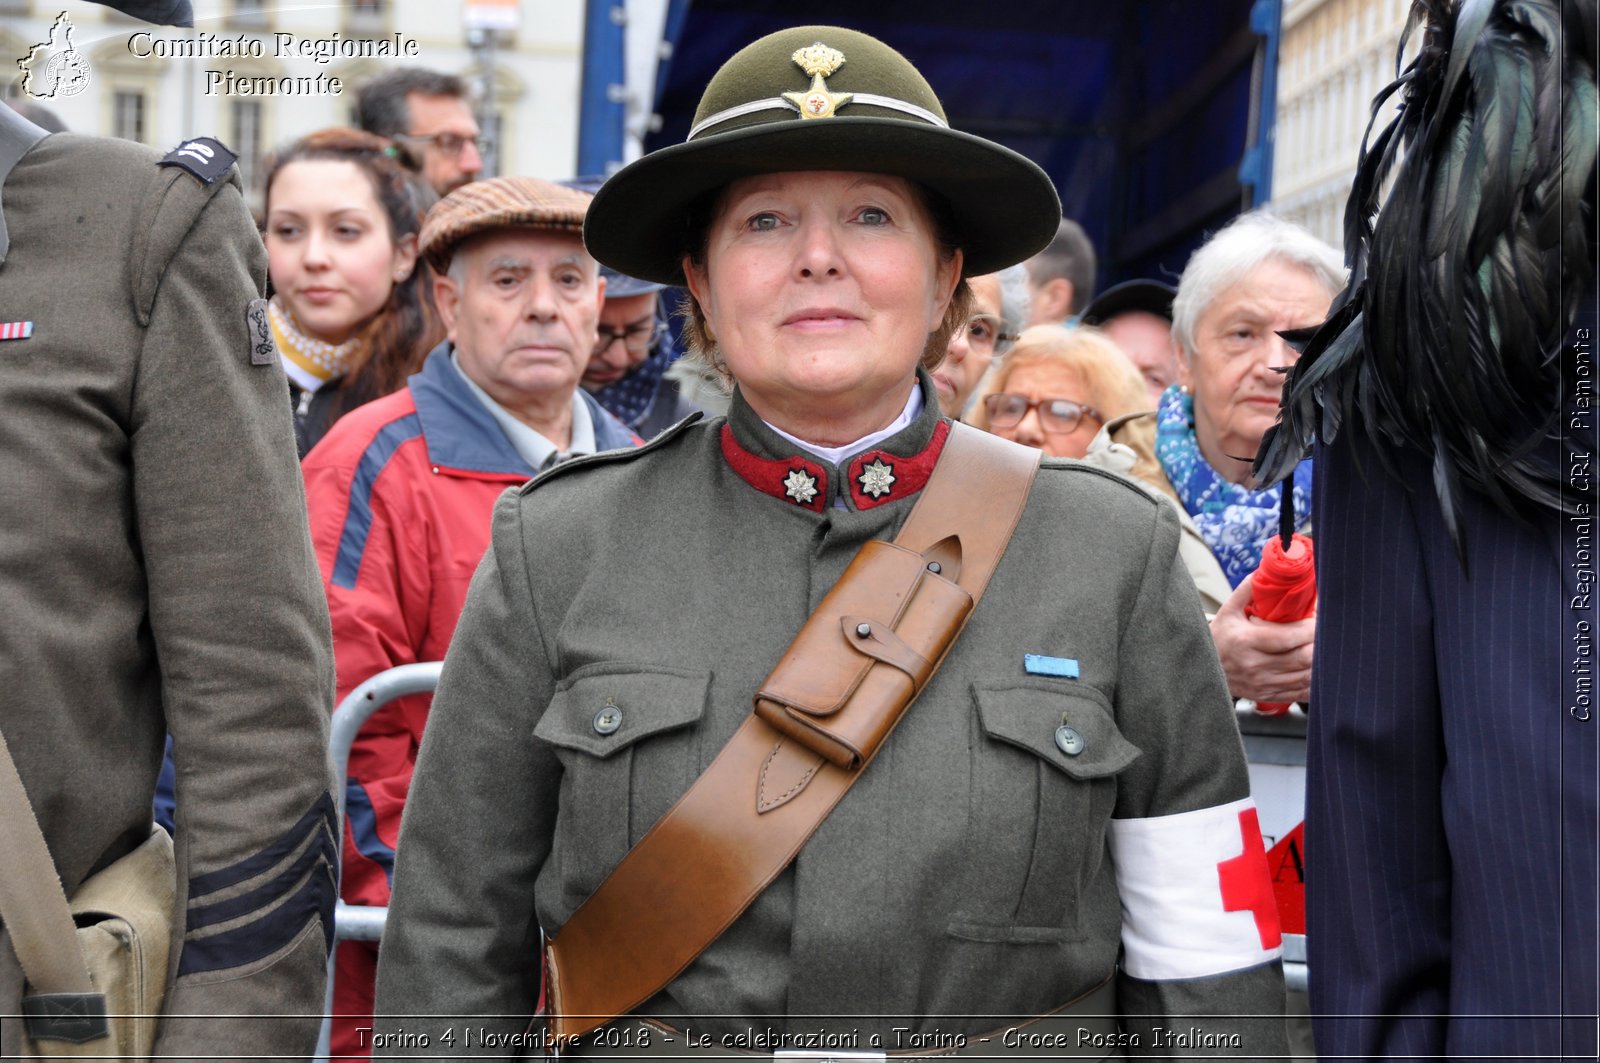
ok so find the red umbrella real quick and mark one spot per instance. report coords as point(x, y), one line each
point(1284, 590)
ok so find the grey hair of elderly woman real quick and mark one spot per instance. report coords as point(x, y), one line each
point(1229, 256)
point(1015, 301)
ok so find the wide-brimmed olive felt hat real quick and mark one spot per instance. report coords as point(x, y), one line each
point(821, 98)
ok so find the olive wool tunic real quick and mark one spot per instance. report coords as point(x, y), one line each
point(157, 578)
point(967, 876)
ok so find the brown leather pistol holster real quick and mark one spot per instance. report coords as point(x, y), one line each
point(840, 697)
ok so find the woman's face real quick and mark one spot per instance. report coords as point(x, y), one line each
point(1233, 369)
point(330, 251)
point(971, 349)
point(1040, 383)
point(821, 290)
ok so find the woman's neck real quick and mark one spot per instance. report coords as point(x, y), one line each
point(830, 428)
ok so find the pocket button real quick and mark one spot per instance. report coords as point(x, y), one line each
point(1068, 740)
point(608, 719)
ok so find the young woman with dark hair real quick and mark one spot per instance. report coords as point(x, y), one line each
point(352, 308)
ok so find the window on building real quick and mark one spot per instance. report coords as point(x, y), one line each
point(248, 140)
point(249, 12)
point(366, 14)
point(128, 116)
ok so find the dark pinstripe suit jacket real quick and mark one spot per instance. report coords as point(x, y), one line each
point(1451, 805)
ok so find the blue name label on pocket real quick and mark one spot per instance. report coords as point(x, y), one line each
point(1039, 664)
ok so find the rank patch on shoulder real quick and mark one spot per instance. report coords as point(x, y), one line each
point(205, 157)
point(262, 350)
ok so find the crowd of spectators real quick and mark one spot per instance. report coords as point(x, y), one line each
point(478, 403)
point(447, 336)
point(1170, 386)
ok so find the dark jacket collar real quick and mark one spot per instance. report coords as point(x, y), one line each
point(463, 435)
point(885, 472)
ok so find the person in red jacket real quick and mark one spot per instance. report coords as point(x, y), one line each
point(400, 490)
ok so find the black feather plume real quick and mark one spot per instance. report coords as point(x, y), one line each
point(1469, 238)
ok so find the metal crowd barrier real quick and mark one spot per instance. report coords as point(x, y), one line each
point(356, 922)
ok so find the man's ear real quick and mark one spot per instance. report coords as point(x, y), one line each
point(448, 299)
point(1057, 297)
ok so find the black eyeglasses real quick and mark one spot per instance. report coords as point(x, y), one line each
point(637, 338)
point(985, 333)
point(451, 144)
point(1055, 415)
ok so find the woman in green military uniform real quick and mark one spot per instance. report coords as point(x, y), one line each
point(1053, 849)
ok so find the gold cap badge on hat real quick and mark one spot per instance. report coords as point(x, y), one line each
point(820, 62)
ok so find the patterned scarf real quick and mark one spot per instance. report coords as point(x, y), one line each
point(1234, 520)
point(629, 399)
point(310, 363)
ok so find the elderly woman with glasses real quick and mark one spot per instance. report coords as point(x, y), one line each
point(1073, 394)
point(1052, 849)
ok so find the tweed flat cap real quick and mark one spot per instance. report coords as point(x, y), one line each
point(499, 203)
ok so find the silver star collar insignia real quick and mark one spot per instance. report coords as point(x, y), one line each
point(877, 479)
point(800, 486)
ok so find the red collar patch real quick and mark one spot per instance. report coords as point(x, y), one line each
point(874, 477)
point(878, 476)
point(795, 480)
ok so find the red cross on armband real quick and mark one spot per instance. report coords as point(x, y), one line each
point(1246, 885)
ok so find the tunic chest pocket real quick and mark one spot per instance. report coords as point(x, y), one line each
point(1044, 766)
point(629, 747)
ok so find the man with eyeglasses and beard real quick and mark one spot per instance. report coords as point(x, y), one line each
point(430, 114)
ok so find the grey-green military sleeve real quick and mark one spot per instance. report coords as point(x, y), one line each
point(240, 630)
point(1200, 973)
point(463, 936)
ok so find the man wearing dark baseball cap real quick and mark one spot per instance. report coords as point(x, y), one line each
point(400, 490)
point(627, 374)
point(1137, 316)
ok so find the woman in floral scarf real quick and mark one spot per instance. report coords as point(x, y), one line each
point(1256, 278)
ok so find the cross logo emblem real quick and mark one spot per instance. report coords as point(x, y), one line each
point(1247, 884)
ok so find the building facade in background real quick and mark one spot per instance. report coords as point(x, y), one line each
point(160, 85)
point(1335, 57)
point(255, 74)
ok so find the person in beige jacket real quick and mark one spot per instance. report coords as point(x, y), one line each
point(1073, 394)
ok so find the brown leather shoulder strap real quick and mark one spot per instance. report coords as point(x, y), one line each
point(714, 852)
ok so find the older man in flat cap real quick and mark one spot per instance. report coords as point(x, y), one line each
point(401, 490)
